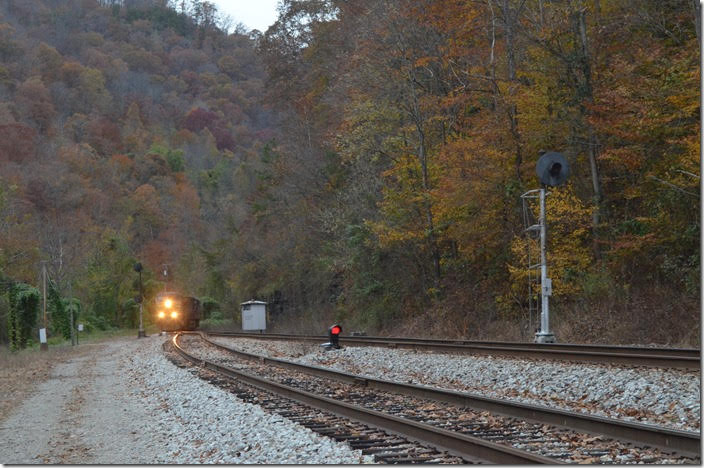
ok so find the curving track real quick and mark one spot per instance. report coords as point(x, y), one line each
point(391, 439)
point(520, 426)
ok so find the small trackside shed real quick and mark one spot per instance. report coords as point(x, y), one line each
point(253, 315)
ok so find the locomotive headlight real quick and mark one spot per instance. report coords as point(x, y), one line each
point(161, 314)
point(168, 303)
point(174, 314)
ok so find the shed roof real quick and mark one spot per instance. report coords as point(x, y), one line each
point(253, 302)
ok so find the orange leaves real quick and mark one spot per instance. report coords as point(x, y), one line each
point(146, 195)
point(423, 61)
point(628, 243)
point(457, 18)
point(123, 161)
point(623, 159)
point(186, 195)
point(155, 253)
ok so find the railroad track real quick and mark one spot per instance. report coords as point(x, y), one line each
point(384, 447)
point(683, 358)
point(389, 439)
point(439, 409)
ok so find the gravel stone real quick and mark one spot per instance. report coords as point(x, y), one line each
point(664, 397)
point(126, 404)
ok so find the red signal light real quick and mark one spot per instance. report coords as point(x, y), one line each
point(334, 336)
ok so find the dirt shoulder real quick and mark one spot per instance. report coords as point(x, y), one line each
point(81, 409)
point(21, 373)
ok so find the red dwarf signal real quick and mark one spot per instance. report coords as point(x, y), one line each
point(334, 336)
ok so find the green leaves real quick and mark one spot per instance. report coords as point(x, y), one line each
point(24, 308)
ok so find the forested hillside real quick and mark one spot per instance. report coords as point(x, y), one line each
point(359, 161)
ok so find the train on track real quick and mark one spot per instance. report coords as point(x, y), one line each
point(175, 312)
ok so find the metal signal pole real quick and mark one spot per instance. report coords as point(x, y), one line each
point(544, 335)
point(552, 169)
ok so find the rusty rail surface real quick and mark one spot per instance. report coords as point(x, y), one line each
point(683, 358)
point(684, 442)
point(461, 445)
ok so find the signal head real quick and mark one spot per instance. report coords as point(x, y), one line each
point(552, 169)
point(334, 336)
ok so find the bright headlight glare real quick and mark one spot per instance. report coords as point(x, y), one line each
point(161, 314)
point(174, 314)
point(168, 303)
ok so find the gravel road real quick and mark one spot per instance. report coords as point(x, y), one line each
point(124, 403)
point(665, 397)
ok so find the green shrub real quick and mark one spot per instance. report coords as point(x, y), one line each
point(24, 307)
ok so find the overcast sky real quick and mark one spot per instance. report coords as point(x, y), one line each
point(255, 14)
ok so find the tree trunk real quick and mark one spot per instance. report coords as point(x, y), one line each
point(698, 19)
point(585, 94)
point(509, 26)
point(425, 180)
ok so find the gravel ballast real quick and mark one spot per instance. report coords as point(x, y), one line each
point(126, 404)
point(665, 397)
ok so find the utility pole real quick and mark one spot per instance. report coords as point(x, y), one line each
point(140, 333)
point(70, 306)
point(43, 344)
point(73, 338)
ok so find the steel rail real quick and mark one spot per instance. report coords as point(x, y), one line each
point(682, 358)
point(684, 442)
point(468, 447)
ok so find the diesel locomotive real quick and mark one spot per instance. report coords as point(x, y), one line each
point(175, 312)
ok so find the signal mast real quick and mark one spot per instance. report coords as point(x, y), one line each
point(552, 170)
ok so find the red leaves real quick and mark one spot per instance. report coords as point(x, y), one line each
point(17, 143)
point(199, 118)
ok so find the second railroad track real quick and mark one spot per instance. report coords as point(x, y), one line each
point(470, 427)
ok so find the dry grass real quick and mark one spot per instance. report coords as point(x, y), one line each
point(649, 315)
point(21, 372)
point(649, 319)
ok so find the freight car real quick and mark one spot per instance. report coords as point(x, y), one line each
point(177, 312)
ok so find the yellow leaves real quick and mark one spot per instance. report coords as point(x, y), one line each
point(684, 103)
point(368, 131)
point(388, 235)
point(568, 254)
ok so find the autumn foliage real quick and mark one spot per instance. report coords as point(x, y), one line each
point(436, 112)
point(359, 161)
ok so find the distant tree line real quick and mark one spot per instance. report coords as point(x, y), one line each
point(359, 161)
